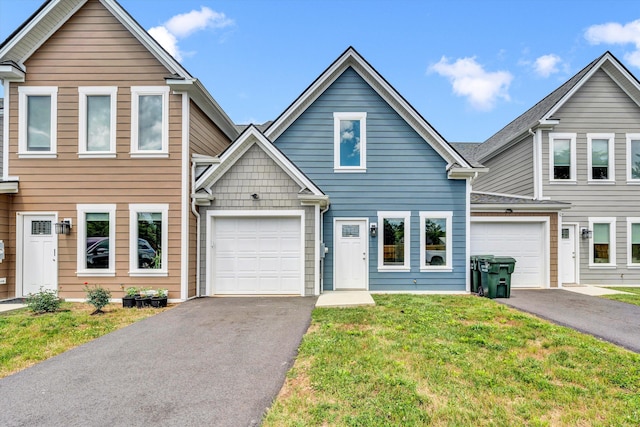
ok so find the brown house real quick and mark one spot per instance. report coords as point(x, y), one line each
point(99, 128)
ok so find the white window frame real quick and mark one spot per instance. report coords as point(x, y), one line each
point(611, 167)
point(572, 166)
point(448, 217)
point(406, 215)
point(631, 137)
point(24, 92)
point(84, 92)
point(136, 92)
point(612, 242)
point(630, 222)
point(362, 117)
point(82, 210)
point(134, 209)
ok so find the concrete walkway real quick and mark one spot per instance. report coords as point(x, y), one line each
point(207, 362)
point(612, 321)
point(344, 299)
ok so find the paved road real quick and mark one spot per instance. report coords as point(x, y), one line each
point(613, 321)
point(207, 362)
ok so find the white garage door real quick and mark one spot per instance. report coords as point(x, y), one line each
point(523, 241)
point(257, 256)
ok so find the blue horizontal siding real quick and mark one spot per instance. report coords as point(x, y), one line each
point(403, 174)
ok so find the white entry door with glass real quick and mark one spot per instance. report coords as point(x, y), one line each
point(39, 257)
point(351, 255)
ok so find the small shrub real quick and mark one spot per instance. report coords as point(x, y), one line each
point(44, 301)
point(132, 292)
point(98, 297)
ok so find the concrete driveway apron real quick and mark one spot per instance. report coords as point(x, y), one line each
point(612, 321)
point(210, 361)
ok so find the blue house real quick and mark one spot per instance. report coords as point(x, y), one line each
point(357, 190)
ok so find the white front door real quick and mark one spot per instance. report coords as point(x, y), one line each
point(351, 254)
point(568, 253)
point(39, 254)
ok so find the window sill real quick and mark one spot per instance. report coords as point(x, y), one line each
point(37, 155)
point(633, 182)
point(96, 155)
point(602, 266)
point(160, 273)
point(346, 170)
point(633, 266)
point(436, 269)
point(149, 155)
point(601, 182)
point(563, 182)
point(392, 269)
point(90, 273)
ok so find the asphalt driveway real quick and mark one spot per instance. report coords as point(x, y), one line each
point(207, 362)
point(612, 321)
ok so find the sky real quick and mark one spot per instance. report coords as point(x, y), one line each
point(468, 67)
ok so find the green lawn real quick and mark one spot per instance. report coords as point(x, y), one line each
point(27, 339)
point(454, 361)
point(632, 298)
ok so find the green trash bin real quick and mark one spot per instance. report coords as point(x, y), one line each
point(496, 276)
point(474, 267)
point(481, 276)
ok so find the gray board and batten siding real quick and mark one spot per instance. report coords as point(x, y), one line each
point(404, 173)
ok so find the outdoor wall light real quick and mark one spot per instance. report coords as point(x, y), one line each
point(255, 196)
point(373, 229)
point(586, 233)
point(63, 227)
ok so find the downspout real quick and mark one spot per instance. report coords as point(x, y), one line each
point(322, 212)
point(195, 212)
point(537, 163)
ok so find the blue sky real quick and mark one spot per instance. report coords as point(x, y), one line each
point(469, 67)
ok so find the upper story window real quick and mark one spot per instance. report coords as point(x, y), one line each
point(600, 157)
point(96, 240)
point(148, 235)
point(150, 121)
point(602, 251)
point(37, 123)
point(97, 121)
point(435, 241)
point(633, 157)
point(350, 142)
point(562, 161)
point(394, 243)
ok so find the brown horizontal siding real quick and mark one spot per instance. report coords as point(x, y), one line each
point(94, 49)
point(6, 266)
point(204, 136)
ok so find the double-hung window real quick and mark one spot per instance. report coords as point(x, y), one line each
point(600, 157)
point(350, 142)
point(633, 157)
point(394, 241)
point(150, 121)
point(602, 250)
point(435, 241)
point(37, 123)
point(148, 233)
point(562, 162)
point(96, 240)
point(97, 121)
point(633, 242)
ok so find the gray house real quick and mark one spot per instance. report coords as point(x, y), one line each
point(350, 188)
point(581, 146)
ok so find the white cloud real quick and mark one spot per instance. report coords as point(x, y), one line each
point(469, 79)
point(167, 40)
point(615, 33)
point(546, 65)
point(185, 24)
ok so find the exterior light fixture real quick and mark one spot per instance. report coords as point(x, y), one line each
point(64, 227)
point(586, 233)
point(373, 229)
point(255, 196)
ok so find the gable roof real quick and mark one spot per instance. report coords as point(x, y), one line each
point(351, 58)
point(544, 110)
point(250, 137)
point(53, 14)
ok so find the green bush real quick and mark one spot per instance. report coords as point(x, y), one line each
point(98, 297)
point(44, 301)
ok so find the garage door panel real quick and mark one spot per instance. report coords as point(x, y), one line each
point(260, 255)
point(523, 241)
